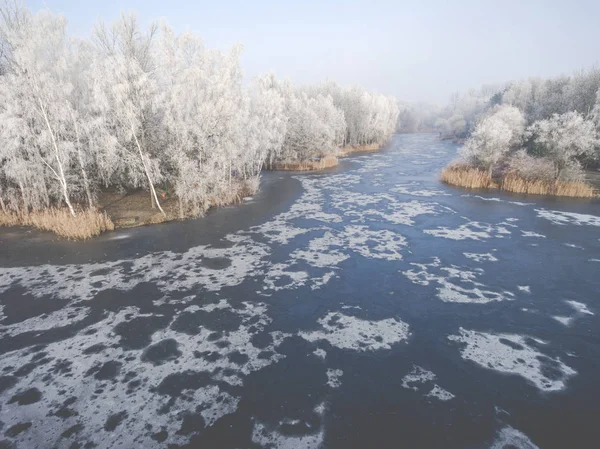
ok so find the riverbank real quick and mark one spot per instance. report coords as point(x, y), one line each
point(121, 210)
point(324, 162)
point(117, 210)
point(472, 178)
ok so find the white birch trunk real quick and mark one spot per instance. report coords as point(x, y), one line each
point(152, 190)
point(61, 174)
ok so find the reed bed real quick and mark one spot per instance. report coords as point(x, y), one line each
point(325, 162)
point(473, 178)
point(347, 150)
point(465, 176)
point(86, 224)
point(515, 183)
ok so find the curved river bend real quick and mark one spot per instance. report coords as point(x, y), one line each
point(367, 307)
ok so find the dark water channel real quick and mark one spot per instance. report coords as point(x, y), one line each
point(369, 306)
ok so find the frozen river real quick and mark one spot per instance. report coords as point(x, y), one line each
point(366, 307)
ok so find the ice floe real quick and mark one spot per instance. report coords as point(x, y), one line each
point(532, 234)
point(334, 377)
point(290, 434)
point(454, 283)
point(513, 354)
point(512, 438)
point(564, 218)
point(110, 376)
point(348, 332)
point(415, 189)
point(485, 257)
point(420, 379)
point(470, 231)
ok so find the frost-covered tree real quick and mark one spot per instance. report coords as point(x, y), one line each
point(126, 95)
point(36, 112)
point(150, 108)
point(563, 139)
point(494, 137)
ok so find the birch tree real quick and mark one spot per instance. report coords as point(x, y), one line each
point(126, 94)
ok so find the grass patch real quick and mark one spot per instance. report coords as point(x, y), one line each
point(86, 224)
point(325, 162)
point(473, 178)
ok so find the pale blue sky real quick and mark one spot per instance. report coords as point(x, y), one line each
point(415, 50)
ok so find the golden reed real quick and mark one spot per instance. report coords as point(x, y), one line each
point(473, 178)
point(325, 162)
point(465, 176)
point(86, 224)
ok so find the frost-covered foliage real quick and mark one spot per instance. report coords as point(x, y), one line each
point(562, 139)
point(494, 137)
point(555, 135)
point(369, 118)
point(148, 108)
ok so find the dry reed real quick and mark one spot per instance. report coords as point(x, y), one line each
point(347, 150)
point(465, 176)
point(473, 178)
point(86, 224)
point(325, 162)
point(515, 183)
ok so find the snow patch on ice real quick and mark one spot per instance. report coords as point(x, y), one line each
point(512, 354)
point(348, 332)
point(486, 257)
point(564, 218)
point(454, 283)
point(512, 438)
point(333, 377)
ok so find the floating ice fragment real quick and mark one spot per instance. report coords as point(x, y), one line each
point(563, 218)
point(333, 377)
point(511, 354)
point(348, 332)
point(512, 438)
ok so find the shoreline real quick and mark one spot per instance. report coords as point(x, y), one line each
point(133, 209)
point(325, 162)
point(473, 178)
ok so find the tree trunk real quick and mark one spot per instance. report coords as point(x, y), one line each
point(61, 175)
point(180, 208)
point(25, 208)
point(152, 191)
point(2, 203)
point(86, 183)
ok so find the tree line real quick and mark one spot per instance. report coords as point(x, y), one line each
point(536, 128)
point(545, 129)
point(131, 108)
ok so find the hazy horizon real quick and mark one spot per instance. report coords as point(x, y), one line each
point(415, 52)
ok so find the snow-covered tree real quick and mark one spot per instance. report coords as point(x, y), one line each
point(562, 139)
point(494, 137)
point(126, 95)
